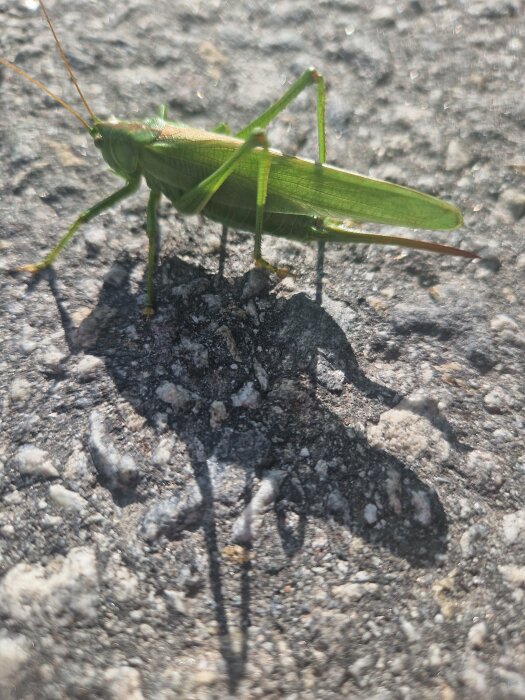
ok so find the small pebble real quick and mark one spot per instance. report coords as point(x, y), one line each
point(218, 414)
point(88, 366)
point(20, 389)
point(174, 394)
point(370, 513)
point(513, 199)
point(118, 469)
point(69, 500)
point(497, 400)
point(477, 635)
point(458, 157)
point(502, 322)
point(95, 239)
point(32, 460)
point(246, 397)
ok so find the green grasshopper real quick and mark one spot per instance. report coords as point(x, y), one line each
point(239, 181)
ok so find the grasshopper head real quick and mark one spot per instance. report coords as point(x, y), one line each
point(119, 142)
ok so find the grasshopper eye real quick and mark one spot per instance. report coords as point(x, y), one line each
point(98, 141)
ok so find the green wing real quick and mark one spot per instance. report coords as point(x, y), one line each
point(296, 186)
point(327, 191)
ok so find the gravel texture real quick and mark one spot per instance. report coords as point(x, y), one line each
point(304, 489)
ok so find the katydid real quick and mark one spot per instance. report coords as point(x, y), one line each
point(239, 181)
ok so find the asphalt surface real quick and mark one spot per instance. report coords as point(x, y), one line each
point(308, 488)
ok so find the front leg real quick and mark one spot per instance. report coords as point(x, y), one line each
point(86, 216)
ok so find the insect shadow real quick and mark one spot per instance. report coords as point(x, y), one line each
point(243, 379)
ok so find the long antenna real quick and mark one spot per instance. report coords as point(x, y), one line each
point(39, 85)
point(66, 63)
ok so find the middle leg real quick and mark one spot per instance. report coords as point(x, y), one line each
point(309, 77)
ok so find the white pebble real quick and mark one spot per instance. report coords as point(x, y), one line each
point(370, 513)
point(32, 460)
point(477, 635)
point(458, 157)
point(20, 389)
point(246, 397)
point(502, 322)
point(218, 413)
point(88, 366)
point(174, 394)
point(69, 500)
